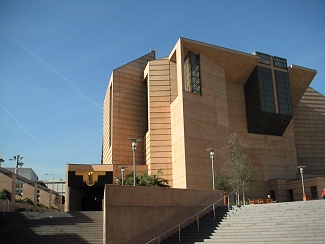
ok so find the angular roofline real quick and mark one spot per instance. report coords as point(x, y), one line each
point(237, 65)
point(152, 51)
point(215, 46)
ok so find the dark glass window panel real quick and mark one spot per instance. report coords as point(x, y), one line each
point(283, 92)
point(264, 58)
point(280, 62)
point(260, 103)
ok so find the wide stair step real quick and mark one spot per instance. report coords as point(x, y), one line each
point(51, 227)
point(291, 222)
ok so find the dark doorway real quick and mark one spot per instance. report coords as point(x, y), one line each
point(272, 194)
point(313, 190)
point(290, 194)
point(87, 197)
point(92, 199)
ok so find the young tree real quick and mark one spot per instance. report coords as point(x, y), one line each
point(237, 170)
point(222, 181)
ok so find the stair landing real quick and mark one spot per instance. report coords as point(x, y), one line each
point(51, 227)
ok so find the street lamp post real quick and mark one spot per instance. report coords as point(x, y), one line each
point(52, 180)
point(122, 172)
point(21, 167)
point(1, 161)
point(18, 162)
point(134, 149)
point(212, 165)
point(301, 169)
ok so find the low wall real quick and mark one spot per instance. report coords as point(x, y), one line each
point(31, 190)
point(129, 211)
point(4, 206)
point(281, 188)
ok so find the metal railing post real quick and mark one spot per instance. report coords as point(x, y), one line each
point(4, 206)
point(157, 238)
point(179, 233)
point(198, 222)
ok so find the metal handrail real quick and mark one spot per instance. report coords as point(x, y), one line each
point(178, 215)
point(4, 206)
point(197, 219)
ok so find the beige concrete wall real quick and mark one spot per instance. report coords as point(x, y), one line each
point(73, 200)
point(158, 140)
point(6, 183)
point(177, 123)
point(220, 109)
point(30, 191)
point(319, 182)
point(210, 117)
point(126, 117)
point(282, 187)
point(45, 198)
point(107, 125)
point(206, 124)
point(309, 130)
point(296, 186)
point(274, 156)
point(127, 206)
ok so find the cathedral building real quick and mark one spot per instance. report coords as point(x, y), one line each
point(176, 107)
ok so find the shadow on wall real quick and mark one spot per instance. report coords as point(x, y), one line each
point(129, 211)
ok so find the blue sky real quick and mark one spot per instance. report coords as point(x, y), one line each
point(56, 58)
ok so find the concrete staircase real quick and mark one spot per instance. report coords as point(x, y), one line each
point(51, 227)
point(291, 222)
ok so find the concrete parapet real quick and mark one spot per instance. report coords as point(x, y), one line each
point(26, 189)
point(125, 208)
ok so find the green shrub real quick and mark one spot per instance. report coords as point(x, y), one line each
point(4, 194)
point(27, 200)
point(147, 180)
point(41, 205)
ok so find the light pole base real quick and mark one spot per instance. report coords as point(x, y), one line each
point(304, 198)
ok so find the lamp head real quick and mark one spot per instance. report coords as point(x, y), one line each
point(211, 152)
point(301, 168)
point(122, 167)
point(134, 143)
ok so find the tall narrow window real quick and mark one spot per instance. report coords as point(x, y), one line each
point(284, 92)
point(192, 73)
